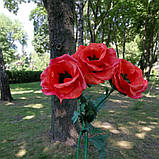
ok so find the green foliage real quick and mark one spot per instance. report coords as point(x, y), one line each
point(21, 63)
point(90, 112)
point(119, 22)
point(75, 117)
point(86, 114)
point(32, 62)
point(11, 32)
point(133, 53)
point(13, 5)
point(23, 76)
point(41, 35)
point(39, 62)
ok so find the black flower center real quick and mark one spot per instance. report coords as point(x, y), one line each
point(124, 76)
point(92, 58)
point(62, 76)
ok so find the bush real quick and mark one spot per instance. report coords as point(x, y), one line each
point(23, 76)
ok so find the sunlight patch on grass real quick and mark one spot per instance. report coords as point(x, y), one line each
point(106, 125)
point(46, 149)
point(124, 130)
point(154, 123)
point(21, 153)
point(21, 92)
point(150, 95)
point(140, 135)
point(36, 106)
point(4, 141)
point(39, 91)
point(111, 111)
point(142, 122)
point(125, 144)
point(22, 98)
point(114, 131)
point(9, 103)
point(28, 117)
point(145, 128)
point(116, 100)
point(152, 118)
point(22, 150)
point(132, 123)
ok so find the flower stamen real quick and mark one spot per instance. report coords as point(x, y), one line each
point(92, 58)
point(62, 76)
point(124, 76)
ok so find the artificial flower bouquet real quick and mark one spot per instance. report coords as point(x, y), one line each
point(68, 76)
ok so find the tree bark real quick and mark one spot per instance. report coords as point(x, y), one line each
point(89, 23)
point(4, 85)
point(79, 11)
point(124, 42)
point(150, 36)
point(61, 36)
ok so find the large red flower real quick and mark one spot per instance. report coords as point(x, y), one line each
point(96, 62)
point(63, 78)
point(128, 79)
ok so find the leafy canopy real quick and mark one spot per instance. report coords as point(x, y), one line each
point(11, 33)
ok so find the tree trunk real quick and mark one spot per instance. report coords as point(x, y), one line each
point(61, 36)
point(124, 42)
point(150, 36)
point(117, 50)
point(79, 11)
point(109, 35)
point(89, 23)
point(4, 85)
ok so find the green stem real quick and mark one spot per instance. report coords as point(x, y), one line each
point(83, 126)
point(104, 98)
point(86, 143)
point(78, 143)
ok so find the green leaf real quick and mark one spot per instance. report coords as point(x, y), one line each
point(99, 142)
point(83, 105)
point(91, 112)
point(75, 116)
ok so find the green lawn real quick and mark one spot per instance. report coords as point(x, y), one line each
point(133, 126)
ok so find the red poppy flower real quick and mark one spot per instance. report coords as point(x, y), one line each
point(96, 62)
point(128, 79)
point(63, 78)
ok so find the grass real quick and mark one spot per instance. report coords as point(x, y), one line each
point(133, 126)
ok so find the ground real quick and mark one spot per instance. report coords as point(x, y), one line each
point(132, 125)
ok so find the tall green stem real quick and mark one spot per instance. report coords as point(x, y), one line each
point(78, 143)
point(86, 143)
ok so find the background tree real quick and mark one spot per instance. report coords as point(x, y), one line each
point(4, 85)
point(79, 5)
point(118, 23)
point(11, 33)
point(41, 32)
point(147, 25)
point(61, 37)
